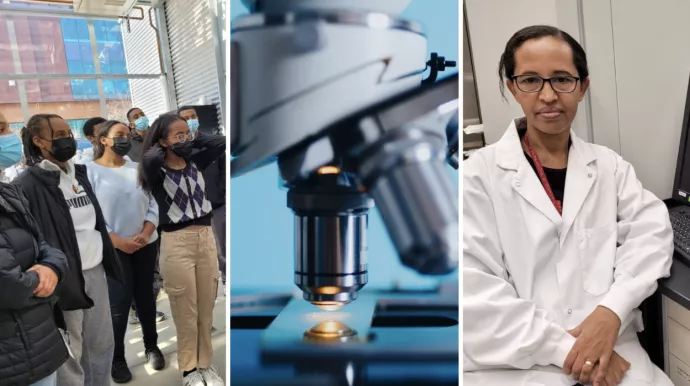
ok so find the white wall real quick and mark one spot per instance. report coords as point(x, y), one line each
point(639, 82)
point(651, 43)
point(599, 45)
point(491, 24)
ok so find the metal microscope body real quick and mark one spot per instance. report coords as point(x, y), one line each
point(332, 91)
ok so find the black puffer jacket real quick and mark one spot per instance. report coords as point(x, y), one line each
point(31, 347)
point(137, 146)
point(48, 206)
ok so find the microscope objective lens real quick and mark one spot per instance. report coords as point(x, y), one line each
point(329, 306)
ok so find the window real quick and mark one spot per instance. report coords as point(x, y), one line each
point(48, 65)
point(147, 94)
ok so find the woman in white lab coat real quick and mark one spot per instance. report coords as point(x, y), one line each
point(561, 241)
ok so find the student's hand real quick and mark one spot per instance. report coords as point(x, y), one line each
point(596, 338)
point(128, 245)
point(142, 239)
point(156, 148)
point(47, 280)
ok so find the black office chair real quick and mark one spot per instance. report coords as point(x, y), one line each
point(652, 337)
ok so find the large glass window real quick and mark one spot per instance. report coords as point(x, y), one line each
point(76, 67)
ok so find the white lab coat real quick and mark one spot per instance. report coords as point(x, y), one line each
point(529, 275)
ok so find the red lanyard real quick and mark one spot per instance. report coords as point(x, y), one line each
point(542, 175)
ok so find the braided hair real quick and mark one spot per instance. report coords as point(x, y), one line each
point(33, 128)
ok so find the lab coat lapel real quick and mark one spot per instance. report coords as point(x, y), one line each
point(525, 182)
point(579, 180)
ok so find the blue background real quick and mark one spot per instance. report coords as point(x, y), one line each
point(261, 225)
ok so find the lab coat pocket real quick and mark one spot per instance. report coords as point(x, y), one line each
point(597, 253)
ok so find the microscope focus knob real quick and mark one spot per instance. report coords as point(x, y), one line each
point(308, 37)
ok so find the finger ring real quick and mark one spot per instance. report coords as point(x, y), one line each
point(588, 364)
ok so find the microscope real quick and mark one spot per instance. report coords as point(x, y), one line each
point(333, 91)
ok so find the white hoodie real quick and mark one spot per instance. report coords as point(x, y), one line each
point(83, 215)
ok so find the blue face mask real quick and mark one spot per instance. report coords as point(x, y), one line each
point(10, 150)
point(193, 125)
point(142, 124)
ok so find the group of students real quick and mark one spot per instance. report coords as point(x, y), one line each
point(81, 237)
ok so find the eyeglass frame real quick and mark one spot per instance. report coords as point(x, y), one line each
point(543, 82)
point(189, 137)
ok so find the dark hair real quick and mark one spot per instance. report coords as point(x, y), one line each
point(103, 131)
point(33, 128)
point(130, 111)
point(184, 108)
point(158, 130)
point(87, 129)
point(506, 67)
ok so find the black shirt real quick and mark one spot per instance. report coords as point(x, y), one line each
point(135, 152)
point(556, 177)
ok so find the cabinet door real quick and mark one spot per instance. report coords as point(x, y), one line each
point(651, 41)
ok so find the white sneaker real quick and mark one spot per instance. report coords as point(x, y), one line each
point(211, 377)
point(193, 379)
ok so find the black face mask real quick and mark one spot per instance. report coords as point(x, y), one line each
point(183, 149)
point(121, 145)
point(63, 149)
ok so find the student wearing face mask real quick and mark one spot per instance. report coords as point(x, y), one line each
point(88, 129)
point(214, 175)
point(170, 170)
point(138, 125)
point(69, 216)
point(132, 217)
point(10, 150)
point(188, 113)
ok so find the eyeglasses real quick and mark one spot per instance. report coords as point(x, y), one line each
point(182, 138)
point(535, 83)
point(120, 136)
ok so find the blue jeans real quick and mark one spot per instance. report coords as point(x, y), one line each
point(50, 380)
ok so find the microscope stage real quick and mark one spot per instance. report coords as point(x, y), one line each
point(380, 338)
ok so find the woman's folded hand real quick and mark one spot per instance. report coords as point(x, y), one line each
point(596, 338)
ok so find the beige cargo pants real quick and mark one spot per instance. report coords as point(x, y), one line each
point(189, 266)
